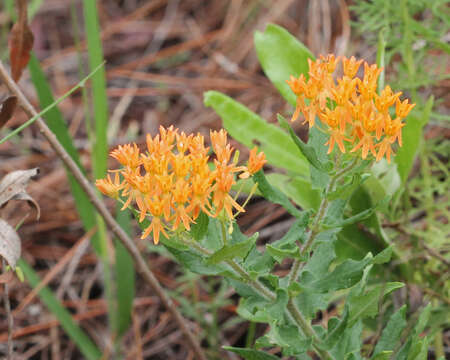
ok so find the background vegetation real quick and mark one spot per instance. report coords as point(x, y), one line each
point(161, 55)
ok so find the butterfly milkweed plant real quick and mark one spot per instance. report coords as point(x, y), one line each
point(318, 289)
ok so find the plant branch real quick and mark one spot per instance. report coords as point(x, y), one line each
point(139, 261)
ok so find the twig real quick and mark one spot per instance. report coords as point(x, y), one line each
point(139, 261)
point(8, 315)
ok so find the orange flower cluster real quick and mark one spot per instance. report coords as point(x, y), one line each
point(350, 108)
point(172, 182)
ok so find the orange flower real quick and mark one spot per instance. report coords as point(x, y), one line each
point(108, 187)
point(350, 110)
point(172, 182)
point(255, 163)
point(127, 155)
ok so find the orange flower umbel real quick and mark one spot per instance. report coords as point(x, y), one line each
point(350, 109)
point(172, 182)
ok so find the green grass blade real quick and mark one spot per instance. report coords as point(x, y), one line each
point(120, 301)
point(125, 274)
point(100, 103)
point(78, 336)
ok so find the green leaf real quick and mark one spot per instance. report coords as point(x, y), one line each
point(228, 252)
point(307, 150)
point(336, 330)
point(297, 189)
point(251, 354)
point(252, 307)
point(351, 220)
point(349, 343)
point(281, 55)
point(250, 129)
point(354, 243)
point(344, 276)
point(391, 333)
point(287, 247)
point(345, 191)
point(200, 227)
point(277, 310)
point(383, 257)
point(413, 349)
point(316, 140)
point(213, 237)
point(291, 251)
point(197, 263)
point(311, 301)
point(289, 338)
point(412, 135)
point(273, 194)
point(258, 263)
point(366, 305)
point(72, 329)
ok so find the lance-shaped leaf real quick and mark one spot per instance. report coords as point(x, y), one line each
point(307, 150)
point(281, 55)
point(366, 305)
point(230, 251)
point(391, 333)
point(273, 194)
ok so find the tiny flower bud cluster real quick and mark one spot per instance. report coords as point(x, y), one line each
point(172, 182)
point(350, 108)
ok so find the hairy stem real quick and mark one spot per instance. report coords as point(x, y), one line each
point(315, 227)
point(123, 237)
point(307, 329)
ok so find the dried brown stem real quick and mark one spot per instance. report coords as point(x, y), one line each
point(139, 261)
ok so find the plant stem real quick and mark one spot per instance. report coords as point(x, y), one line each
point(10, 350)
point(295, 269)
point(307, 329)
point(139, 261)
point(296, 266)
point(255, 284)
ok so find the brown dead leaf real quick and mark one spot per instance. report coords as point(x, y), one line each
point(7, 110)
point(12, 187)
point(20, 42)
point(10, 246)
